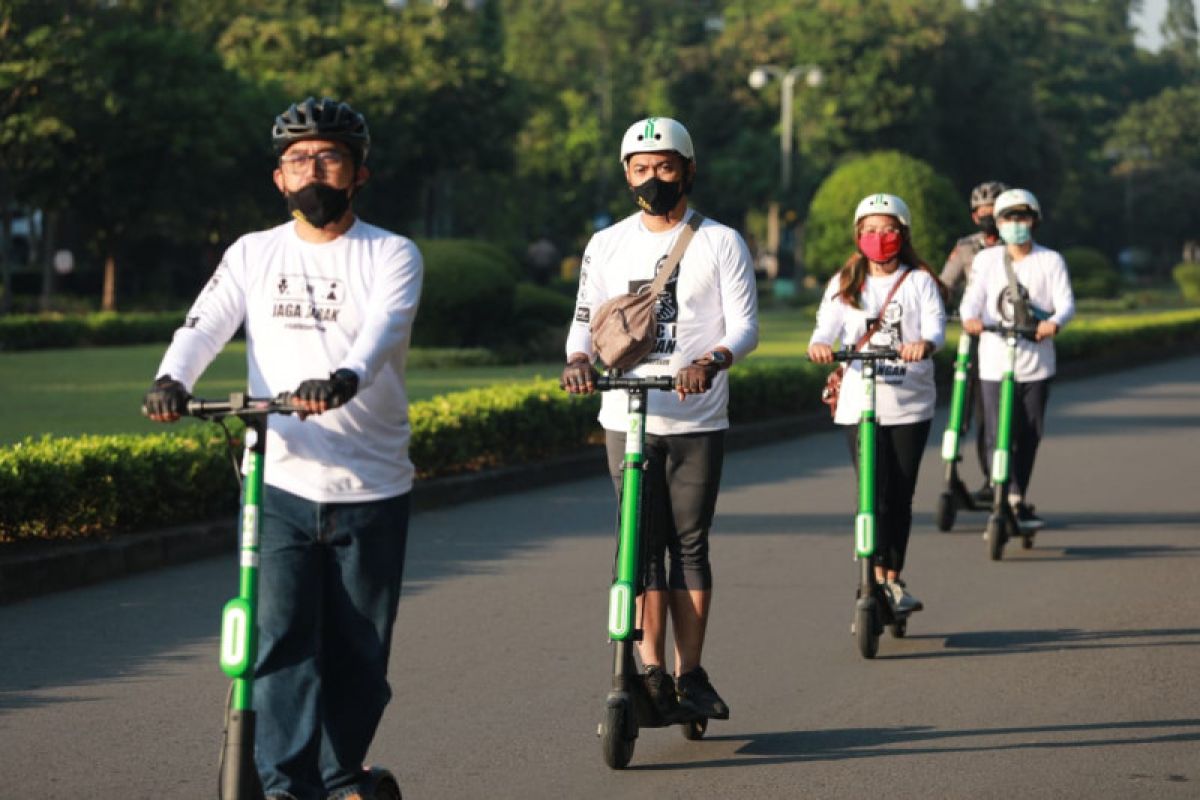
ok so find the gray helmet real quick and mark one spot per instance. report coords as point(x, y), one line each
point(985, 194)
point(322, 119)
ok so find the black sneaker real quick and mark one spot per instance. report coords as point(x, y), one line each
point(1027, 520)
point(984, 494)
point(661, 688)
point(695, 689)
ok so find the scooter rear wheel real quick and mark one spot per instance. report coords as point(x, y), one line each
point(866, 632)
point(947, 509)
point(693, 730)
point(617, 747)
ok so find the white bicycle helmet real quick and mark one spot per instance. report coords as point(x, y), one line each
point(1015, 198)
point(883, 204)
point(657, 135)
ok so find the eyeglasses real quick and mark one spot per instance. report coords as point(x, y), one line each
point(888, 229)
point(298, 162)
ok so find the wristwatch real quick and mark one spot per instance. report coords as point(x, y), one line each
point(718, 359)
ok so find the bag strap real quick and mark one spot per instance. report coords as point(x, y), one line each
point(1020, 309)
point(874, 326)
point(681, 244)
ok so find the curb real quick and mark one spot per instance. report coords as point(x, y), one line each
point(29, 570)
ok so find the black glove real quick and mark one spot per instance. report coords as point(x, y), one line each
point(167, 398)
point(579, 377)
point(336, 390)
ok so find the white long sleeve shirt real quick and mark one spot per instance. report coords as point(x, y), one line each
point(904, 391)
point(710, 302)
point(310, 309)
point(1042, 277)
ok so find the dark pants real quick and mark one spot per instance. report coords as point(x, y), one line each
point(898, 451)
point(679, 499)
point(974, 411)
point(329, 586)
point(1028, 424)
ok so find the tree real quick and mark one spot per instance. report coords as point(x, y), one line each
point(936, 209)
point(1178, 28)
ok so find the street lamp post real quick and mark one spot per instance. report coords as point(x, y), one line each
point(760, 76)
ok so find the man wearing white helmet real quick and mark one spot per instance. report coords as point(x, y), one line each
point(1045, 296)
point(885, 284)
point(707, 319)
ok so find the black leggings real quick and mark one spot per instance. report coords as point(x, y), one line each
point(1028, 425)
point(679, 498)
point(898, 451)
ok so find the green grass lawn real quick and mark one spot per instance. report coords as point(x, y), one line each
point(99, 389)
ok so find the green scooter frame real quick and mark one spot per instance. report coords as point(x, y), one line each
point(955, 495)
point(239, 632)
point(872, 611)
point(1002, 523)
point(628, 707)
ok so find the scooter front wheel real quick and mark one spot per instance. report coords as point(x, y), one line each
point(693, 730)
point(614, 739)
point(382, 785)
point(947, 509)
point(866, 632)
point(995, 535)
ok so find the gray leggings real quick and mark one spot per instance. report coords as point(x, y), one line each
point(679, 498)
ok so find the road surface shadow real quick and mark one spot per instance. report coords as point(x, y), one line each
point(912, 740)
point(993, 643)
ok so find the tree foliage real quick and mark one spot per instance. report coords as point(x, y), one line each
point(936, 209)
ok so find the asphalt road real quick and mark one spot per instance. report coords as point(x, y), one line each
point(1064, 671)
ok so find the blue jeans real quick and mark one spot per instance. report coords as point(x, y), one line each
point(329, 585)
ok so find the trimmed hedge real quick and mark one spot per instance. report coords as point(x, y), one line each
point(1092, 274)
point(42, 331)
point(98, 486)
point(1187, 277)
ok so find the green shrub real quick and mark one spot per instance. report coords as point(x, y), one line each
point(1092, 274)
point(98, 486)
point(41, 331)
point(95, 486)
point(467, 298)
point(938, 212)
point(1187, 276)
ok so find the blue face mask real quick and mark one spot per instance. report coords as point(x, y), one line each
point(1015, 232)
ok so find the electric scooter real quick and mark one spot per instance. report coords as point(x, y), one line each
point(1002, 523)
point(955, 494)
point(239, 638)
point(628, 706)
point(872, 611)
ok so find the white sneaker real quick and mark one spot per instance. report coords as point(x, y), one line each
point(902, 602)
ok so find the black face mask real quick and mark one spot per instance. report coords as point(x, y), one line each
point(318, 204)
point(988, 225)
point(657, 197)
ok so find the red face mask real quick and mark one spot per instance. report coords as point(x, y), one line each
point(880, 247)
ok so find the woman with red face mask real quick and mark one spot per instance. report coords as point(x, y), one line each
point(886, 287)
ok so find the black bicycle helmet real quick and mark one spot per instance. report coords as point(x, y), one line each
point(985, 194)
point(322, 119)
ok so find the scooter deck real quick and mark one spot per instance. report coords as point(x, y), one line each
point(648, 715)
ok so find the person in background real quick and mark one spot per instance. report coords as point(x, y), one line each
point(1045, 296)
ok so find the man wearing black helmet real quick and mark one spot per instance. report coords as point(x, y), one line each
point(956, 274)
point(328, 303)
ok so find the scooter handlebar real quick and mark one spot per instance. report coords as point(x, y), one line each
point(240, 404)
point(866, 355)
point(606, 383)
point(1025, 331)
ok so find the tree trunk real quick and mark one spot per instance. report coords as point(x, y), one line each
point(48, 248)
point(5, 244)
point(108, 299)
